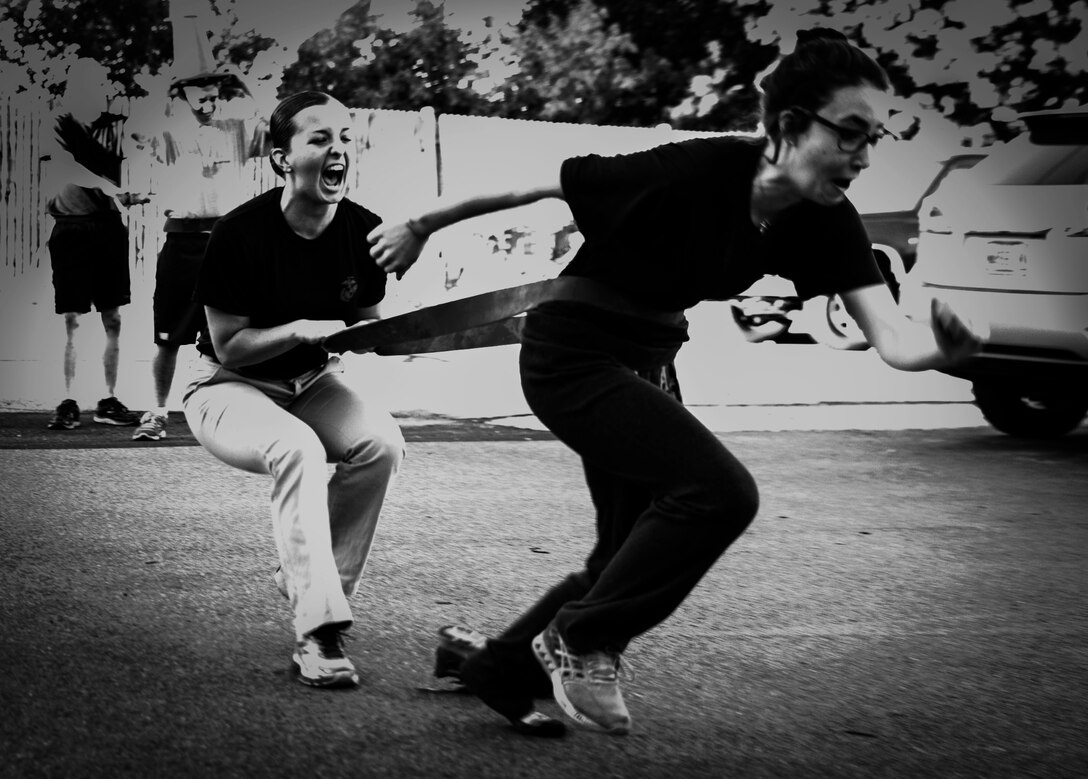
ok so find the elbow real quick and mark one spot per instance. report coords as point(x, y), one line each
point(228, 357)
point(228, 360)
point(890, 351)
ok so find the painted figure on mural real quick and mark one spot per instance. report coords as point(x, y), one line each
point(199, 173)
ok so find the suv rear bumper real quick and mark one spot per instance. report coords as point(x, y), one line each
point(1031, 335)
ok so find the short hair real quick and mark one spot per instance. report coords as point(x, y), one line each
point(281, 125)
point(822, 62)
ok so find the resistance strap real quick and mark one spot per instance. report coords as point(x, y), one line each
point(488, 319)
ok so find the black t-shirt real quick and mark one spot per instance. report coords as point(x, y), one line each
point(670, 227)
point(256, 266)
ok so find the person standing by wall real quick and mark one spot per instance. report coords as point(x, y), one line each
point(88, 243)
point(198, 165)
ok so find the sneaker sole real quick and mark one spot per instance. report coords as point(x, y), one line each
point(345, 679)
point(532, 723)
point(148, 437)
point(63, 426)
point(119, 423)
point(544, 657)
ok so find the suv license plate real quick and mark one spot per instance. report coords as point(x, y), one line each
point(1009, 261)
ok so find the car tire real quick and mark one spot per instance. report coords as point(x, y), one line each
point(830, 325)
point(757, 329)
point(1025, 411)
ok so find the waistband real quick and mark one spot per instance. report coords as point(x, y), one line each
point(100, 216)
point(587, 292)
point(201, 224)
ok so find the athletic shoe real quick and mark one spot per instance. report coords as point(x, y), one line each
point(455, 644)
point(507, 694)
point(321, 660)
point(66, 417)
point(152, 427)
point(111, 411)
point(586, 686)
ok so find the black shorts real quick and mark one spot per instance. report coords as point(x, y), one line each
point(177, 318)
point(89, 257)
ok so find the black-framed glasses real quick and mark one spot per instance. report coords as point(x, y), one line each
point(851, 139)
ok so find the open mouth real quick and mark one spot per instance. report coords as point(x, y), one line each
point(841, 183)
point(333, 175)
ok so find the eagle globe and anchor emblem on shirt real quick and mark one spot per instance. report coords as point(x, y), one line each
point(348, 288)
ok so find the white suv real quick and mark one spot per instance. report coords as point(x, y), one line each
point(1006, 245)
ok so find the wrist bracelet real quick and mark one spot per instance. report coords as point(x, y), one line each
point(416, 229)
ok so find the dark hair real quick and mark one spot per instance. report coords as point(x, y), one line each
point(822, 62)
point(281, 126)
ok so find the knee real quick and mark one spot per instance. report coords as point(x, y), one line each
point(111, 321)
point(729, 498)
point(383, 450)
point(296, 451)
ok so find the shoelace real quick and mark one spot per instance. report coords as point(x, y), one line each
point(599, 667)
point(114, 406)
point(331, 643)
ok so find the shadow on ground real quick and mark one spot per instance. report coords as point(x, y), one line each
point(27, 430)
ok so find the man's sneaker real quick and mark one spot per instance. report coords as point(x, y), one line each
point(321, 660)
point(152, 427)
point(111, 411)
point(586, 686)
point(455, 644)
point(66, 417)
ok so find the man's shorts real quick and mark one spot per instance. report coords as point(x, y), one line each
point(89, 257)
point(177, 317)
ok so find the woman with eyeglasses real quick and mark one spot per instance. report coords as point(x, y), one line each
point(665, 229)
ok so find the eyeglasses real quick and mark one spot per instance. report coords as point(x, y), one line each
point(851, 139)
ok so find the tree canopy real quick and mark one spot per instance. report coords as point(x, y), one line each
point(691, 63)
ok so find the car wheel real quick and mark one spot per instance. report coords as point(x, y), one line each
point(756, 329)
point(1031, 411)
point(830, 325)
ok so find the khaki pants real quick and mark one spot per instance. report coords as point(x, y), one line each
point(292, 429)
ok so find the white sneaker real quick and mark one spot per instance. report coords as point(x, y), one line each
point(321, 660)
point(152, 427)
point(586, 686)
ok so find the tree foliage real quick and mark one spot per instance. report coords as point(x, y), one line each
point(40, 38)
point(132, 39)
point(576, 67)
point(364, 65)
point(691, 46)
point(692, 63)
point(961, 59)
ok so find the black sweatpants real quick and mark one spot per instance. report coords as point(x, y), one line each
point(669, 496)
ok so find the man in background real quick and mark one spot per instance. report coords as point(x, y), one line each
point(88, 244)
point(200, 174)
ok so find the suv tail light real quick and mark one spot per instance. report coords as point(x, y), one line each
point(933, 220)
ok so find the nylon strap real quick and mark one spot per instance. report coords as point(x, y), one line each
point(487, 319)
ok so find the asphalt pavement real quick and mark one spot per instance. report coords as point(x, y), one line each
point(908, 603)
